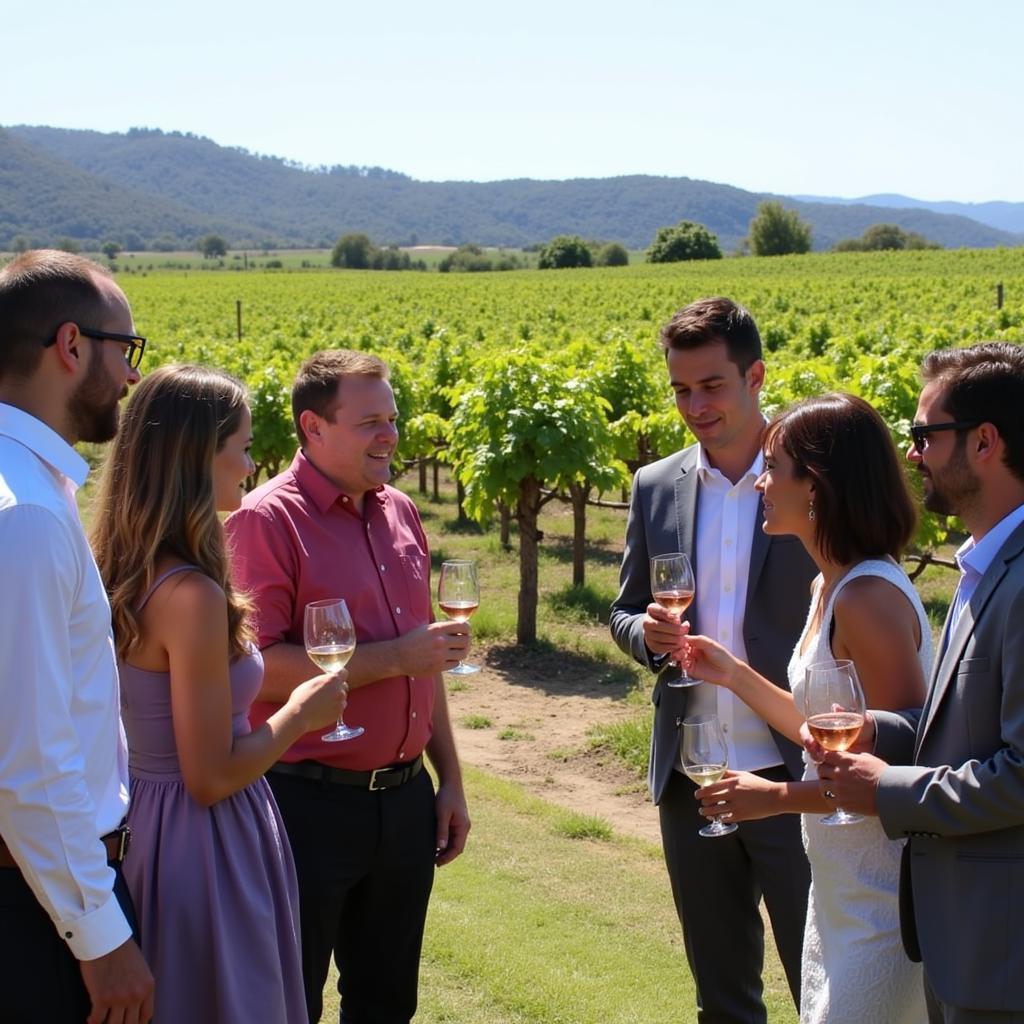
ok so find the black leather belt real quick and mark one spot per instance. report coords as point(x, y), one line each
point(115, 843)
point(380, 778)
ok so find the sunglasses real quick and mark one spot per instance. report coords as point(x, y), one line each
point(919, 431)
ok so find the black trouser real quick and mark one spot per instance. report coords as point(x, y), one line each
point(365, 863)
point(718, 884)
point(40, 979)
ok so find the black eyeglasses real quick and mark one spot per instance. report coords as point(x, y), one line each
point(135, 342)
point(919, 431)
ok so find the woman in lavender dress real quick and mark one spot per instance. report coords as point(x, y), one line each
point(209, 867)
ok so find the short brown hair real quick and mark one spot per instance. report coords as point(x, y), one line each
point(40, 290)
point(316, 383)
point(862, 505)
point(708, 321)
point(984, 383)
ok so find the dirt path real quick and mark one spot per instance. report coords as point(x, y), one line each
point(540, 708)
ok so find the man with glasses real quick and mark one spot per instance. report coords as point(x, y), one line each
point(950, 776)
point(68, 354)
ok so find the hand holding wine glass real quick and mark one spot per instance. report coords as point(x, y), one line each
point(705, 757)
point(672, 586)
point(833, 705)
point(330, 641)
point(458, 596)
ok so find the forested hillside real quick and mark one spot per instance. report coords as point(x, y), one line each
point(141, 185)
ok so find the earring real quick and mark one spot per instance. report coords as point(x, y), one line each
point(810, 511)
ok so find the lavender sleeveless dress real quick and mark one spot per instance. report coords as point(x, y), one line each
point(214, 887)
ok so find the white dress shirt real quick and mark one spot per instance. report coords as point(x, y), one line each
point(723, 537)
point(63, 755)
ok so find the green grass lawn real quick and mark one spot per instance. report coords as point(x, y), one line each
point(551, 918)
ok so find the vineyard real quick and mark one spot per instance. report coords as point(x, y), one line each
point(534, 385)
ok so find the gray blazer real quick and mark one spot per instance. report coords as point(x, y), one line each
point(955, 786)
point(662, 516)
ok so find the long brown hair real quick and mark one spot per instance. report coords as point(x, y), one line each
point(156, 494)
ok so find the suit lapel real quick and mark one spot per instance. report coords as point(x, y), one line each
point(946, 668)
point(686, 504)
point(758, 551)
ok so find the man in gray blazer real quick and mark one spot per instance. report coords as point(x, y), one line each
point(951, 776)
point(752, 595)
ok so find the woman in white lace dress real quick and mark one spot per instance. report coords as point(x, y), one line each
point(833, 478)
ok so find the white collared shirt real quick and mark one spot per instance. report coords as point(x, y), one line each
point(723, 539)
point(63, 755)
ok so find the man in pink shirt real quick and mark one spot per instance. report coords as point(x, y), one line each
point(365, 825)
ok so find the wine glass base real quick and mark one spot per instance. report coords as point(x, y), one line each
point(462, 669)
point(343, 732)
point(841, 817)
point(678, 684)
point(716, 829)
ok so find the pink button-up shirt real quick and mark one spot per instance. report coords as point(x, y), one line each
point(298, 539)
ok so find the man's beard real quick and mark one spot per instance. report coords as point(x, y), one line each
point(93, 408)
point(954, 488)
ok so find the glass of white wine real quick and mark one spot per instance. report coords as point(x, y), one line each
point(833, 704)
point(458, 596)
point(672, 586)
point(705, 757)
point(330, 640)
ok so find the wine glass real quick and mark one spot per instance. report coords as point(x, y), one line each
point(834, 708)
point(330, 641)
point(705, 756)
point(672, 585)
point(458, 596)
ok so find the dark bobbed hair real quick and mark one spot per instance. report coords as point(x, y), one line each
point(316, 383)
point(984, 383)
point(712, 320)
point(40, 290)
point(862, 504)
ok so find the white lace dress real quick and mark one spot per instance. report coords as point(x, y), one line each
point(854, 968)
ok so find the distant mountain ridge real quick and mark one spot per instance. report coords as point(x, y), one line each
point(997, 214)
point(143, 185)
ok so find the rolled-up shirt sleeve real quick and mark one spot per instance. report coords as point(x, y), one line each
point(55, 728)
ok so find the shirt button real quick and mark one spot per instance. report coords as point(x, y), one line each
point(69, 935)
point(728, 542)
point(414, 714)
point(728, 588)
point(398, 611)
point(401, 754)
point(725, 728)
point(344, 499)
point(383, 568)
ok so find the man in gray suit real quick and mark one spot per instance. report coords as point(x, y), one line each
point(951, 776)
point(752, 595)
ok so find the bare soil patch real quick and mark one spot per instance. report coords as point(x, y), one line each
point(540, 705)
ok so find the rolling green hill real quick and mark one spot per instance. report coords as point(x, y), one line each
point(93, 185)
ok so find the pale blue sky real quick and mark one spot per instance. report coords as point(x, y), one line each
point(791, 96)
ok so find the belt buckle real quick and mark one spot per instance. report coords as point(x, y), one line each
point(123, 842)
point(373, 780)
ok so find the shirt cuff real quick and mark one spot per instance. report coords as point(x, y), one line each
point(97, 933)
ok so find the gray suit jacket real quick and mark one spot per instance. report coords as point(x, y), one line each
point(662, 516)
point(956, 787)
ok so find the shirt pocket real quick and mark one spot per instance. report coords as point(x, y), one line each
point(415, 564)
